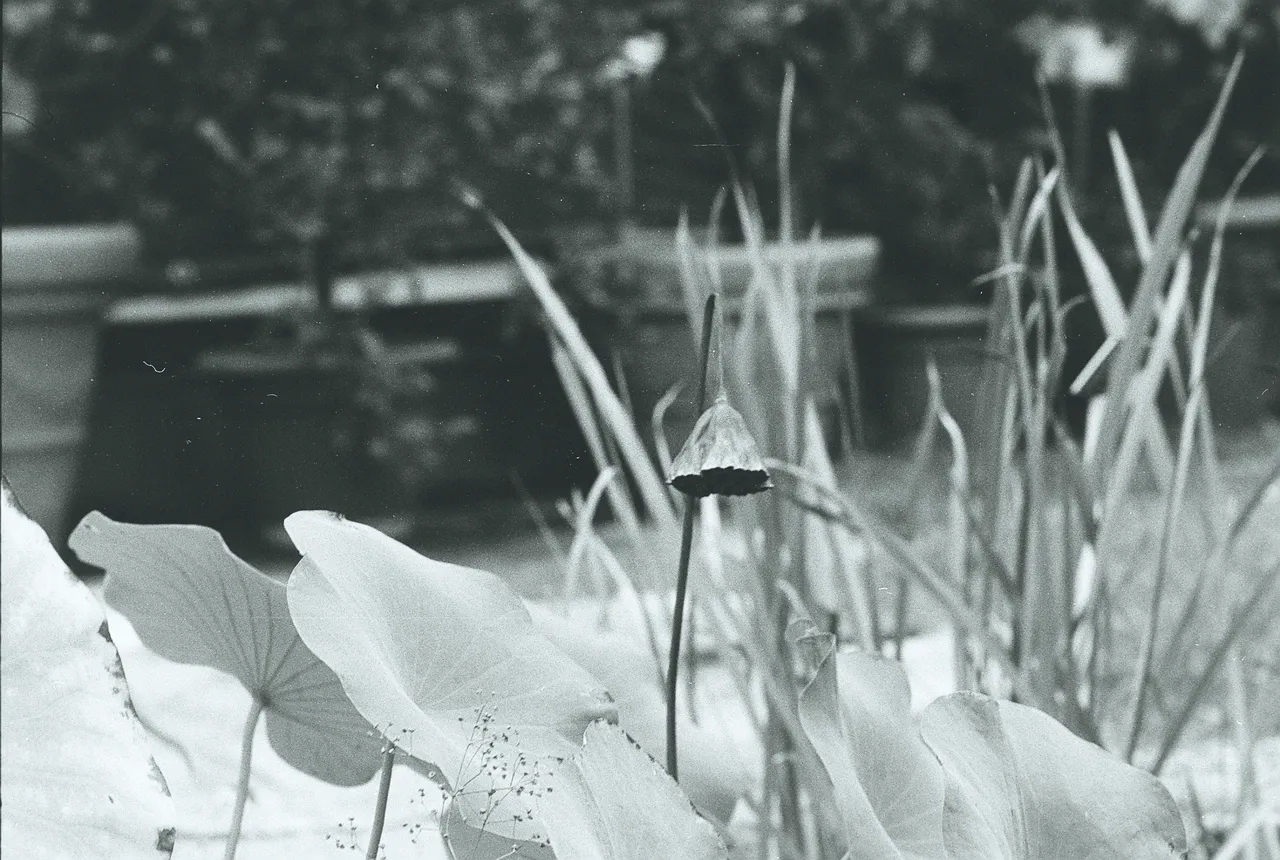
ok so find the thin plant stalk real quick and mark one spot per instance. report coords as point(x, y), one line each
point(380, 811)
point(677, 624)
point(548, 536)
point(691, 659)
point(686, 547)
point(1249, 793)
point(659, 423)
point(965, 674)
point(580, 402)
point(582, 533)
point(242, 785)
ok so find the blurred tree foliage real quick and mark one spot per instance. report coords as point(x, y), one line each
point(900, 110)
point(224, 125)
point(907, 112)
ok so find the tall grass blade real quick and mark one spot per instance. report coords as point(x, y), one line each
point(1110, 306)
point(582, 533)
point(1173, 509)
point(659, 427)
point(1165, 250)
point(1102, 286)
point(957, 518)
point(1094, 365)
point(695, 270)
point(614, 416)
point(1200, 347)
point(1133, 208)
point(785, 215)
point(808, 492)
point(833, 580)
point(1214, 562)
point(626, 588)
point(1036, 212)
point(1254, 503)
point(580, 404)
point(1018, 203)
point(1142, 421)
point(1242, 725)
point(545, 531)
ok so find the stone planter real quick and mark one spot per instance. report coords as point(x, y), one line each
point(895, 344)
point(56, 284)
point(250, 429)
point(1243, 373)
point(646, 319)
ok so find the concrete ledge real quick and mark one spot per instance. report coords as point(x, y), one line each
point(490, 281)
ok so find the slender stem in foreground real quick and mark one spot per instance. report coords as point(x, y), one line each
point(686, 547)
point(242, 786)
point(677, 623)
point(380, 811)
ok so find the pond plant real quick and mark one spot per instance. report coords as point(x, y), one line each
point(525, 741)
point(540, 733)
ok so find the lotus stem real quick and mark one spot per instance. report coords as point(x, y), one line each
point(686, 547)
point(242, 786)
point(677, 623)
point(380, 811)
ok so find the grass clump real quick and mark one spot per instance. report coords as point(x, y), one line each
point(1105, 581)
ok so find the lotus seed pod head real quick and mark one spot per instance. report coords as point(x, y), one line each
point(719, 457)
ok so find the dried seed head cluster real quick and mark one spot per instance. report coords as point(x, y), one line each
point(720, 456)
point(346, 837)
point(514, 780)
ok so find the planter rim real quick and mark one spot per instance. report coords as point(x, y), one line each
point(71, 258)
point(928, 316)
point(79, 228)
point(651, 247)
point(648, 274)
point(852, 300)
point(416, 285)
point(1260, 212)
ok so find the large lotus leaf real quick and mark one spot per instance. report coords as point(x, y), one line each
point(611, 801)
point(1020, 786)
point(471, 840)
point(191, 600)
point(446, 661)
point(888, 788)
point(715, 769)
point(76, 776)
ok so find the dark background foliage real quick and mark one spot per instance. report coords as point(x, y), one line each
point(908, 112)
point(898, 111)
point(223, 126)
point(233, 127)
